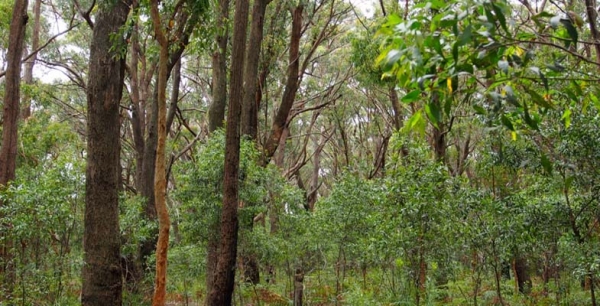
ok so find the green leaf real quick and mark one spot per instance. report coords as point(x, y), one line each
point(566, 118)
point(480, 110)
point(391, 58)
point(569, 182)
point(538, 99)
point(455, 52)
point(595, 100)
point(571, 30)
point(507, 123)
point(415, 123)
point(411, 96)
point(465, 37)
point(433, 113)
point(501, 17)
point(510, 96)
point(528, 120)
point(547, 164)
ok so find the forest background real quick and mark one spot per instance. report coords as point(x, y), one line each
point(290, 152)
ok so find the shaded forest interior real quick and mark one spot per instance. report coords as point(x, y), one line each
point(299, 152)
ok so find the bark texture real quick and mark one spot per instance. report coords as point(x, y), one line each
point(291, 86)
point(160, 178)
point(222, 291)
point(592, 15)
point(35, 44)
point(10, 117)
point(249, 117)
point(216, 113)
point(102, 283)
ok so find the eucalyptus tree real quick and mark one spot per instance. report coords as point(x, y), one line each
point(222, 291)
point(143, 96)
point(10, 117)
point(102, 274)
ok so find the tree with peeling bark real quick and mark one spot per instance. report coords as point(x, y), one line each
point(160, 179)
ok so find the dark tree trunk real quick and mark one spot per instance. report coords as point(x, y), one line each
point(592, 15)
point(216, 113)
point(174, 99)
point(522, 274)
point(35, 43)
point(102, 283)
point(396, 107)
point(222, 291)
point(10, 117)
point(298, 287)
point(291, 86)
point(147, 178)
point(249, 117)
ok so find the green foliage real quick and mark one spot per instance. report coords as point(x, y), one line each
point(448, 52)
point(44, 209)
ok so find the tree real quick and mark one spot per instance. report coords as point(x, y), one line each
point(10, 117)
point(160, 178)
point(102, 283)
point(222, 291)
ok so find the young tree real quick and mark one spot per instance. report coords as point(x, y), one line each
point(160, 179)
point(102, 283)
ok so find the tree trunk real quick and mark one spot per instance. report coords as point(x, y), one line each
point(291, 86)
point(249, 117)
point(249, 114)
point(35, 44)
point(102, 283)
point(222, 291)
point(174, 99)
point(10, 117)
point(298, 287)
point(522, 276)
point(396, 107)
point(216, 112)
point(592, 15)
point(148, 162)
point(160, 178)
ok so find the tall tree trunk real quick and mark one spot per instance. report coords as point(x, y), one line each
point(147, 177)
point(35, 44)
point(174, 99)
point(160, 178)
point(102, 283)
point(216, 112)
point(222, 291)
point(186, 25)
point(249, 117)
point(291, 86)
point(10, 117)
point(592, 14)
